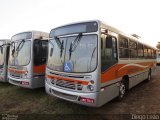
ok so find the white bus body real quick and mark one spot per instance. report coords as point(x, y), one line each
point(27, 60)
point(90, 63)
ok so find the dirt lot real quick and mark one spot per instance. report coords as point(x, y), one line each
point(139, 102)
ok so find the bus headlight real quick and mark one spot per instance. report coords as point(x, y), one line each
point(26, 72)
point(25, 75)
point(90, 87)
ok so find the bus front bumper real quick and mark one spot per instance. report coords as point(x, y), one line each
point(87, 99)
point(19, 82)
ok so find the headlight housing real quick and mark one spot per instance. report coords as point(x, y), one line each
point(90, 87)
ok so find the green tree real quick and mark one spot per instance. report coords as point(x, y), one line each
point(158, 45)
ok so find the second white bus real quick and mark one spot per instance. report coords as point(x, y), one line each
point(27, 60)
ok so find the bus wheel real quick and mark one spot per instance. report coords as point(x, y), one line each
point(122, 90)
point(149, 76)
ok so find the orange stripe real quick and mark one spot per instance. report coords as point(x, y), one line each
point(17, 71)
point(67, 79)
point(115, 71)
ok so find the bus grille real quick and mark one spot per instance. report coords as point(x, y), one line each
point(15, 75)
point(64, 95)
point(67, 84)
point(15, 82)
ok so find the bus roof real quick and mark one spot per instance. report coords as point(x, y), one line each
point(103, 24)
point(6, 40)
point(76, 23)
point(35, 33)
point(123, 34)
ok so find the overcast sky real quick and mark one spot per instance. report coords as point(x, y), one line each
point(130, 16)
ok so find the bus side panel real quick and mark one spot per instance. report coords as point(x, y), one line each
point(39, 76)
point(153, 70)
point(135, 79)
point(39, 69)
point(142, 75)
point(137, 72)
point(111, 73)
point(120, 70)
point(108, 93)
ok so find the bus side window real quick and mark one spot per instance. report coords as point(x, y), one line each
point(123, 47)
point(115, 54)
point(111, 43)
point(108, 52)
point(40, 52)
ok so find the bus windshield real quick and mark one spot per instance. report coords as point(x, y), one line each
point(1, 53)
point(20, 53)
point(73, 54)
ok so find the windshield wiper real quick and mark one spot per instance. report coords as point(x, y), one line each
point(12, 44)
point(52, 47)
point(92, 56)
point(1, 47)
point(20, 45)
point(74, 44)
point(60, 45)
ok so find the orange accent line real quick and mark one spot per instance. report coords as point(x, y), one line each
point(17, 71)
point(116, 72)
point(68, 79)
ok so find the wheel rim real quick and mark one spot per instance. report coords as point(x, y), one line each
point(122, 90)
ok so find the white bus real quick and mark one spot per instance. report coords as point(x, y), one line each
point(158, 58)
point(4, 54)
point(90, 63)
point(27, 60)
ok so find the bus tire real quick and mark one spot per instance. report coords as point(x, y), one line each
point(122, 90)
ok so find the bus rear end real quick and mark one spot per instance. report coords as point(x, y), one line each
point(72, 71)
point(25, 50)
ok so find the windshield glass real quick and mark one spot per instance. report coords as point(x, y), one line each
point(73, 54)
point(20, 53)
point(1, 53)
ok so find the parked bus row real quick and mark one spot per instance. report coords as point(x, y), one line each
point(88, 63)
